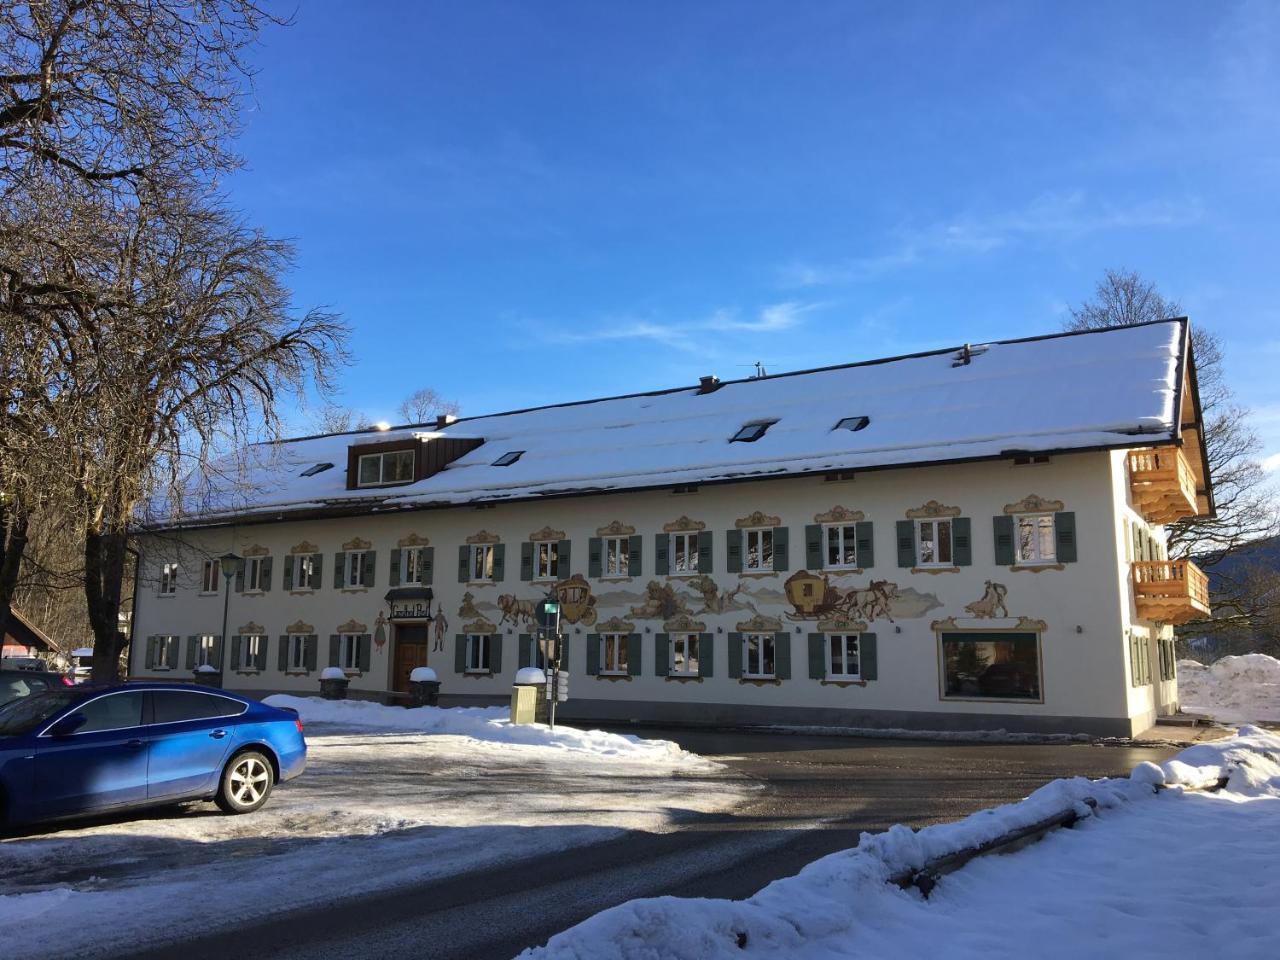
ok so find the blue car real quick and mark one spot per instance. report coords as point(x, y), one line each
point(74, 751)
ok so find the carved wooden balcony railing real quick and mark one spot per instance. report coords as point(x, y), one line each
point(1170, 591)
point(1163, 485)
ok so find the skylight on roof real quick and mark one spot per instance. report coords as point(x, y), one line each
point(853, 423)
point(507, 459)
point(317, 468)
point(752, 432)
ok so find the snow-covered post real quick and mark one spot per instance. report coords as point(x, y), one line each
point(424, 687)
point(207, 675)
point(333, 683)
point(528, 696)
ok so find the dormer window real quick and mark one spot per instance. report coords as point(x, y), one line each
point(507, 459)
point(752, 432)
point(383, 469)
point(853, 423)
point(317, 468)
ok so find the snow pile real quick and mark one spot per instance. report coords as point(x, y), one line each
point(1234, 689)
point(491, 724)
point(1102, 889)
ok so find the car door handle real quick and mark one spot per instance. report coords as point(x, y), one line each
point(218, 734)
point(133, 743)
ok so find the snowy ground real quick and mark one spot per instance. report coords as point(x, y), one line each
point(1150, 874)
point(1233, 690)
point(390, 797)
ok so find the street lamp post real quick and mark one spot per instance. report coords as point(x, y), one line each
point(231, 565)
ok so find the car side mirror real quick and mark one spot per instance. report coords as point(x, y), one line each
point(68, 725)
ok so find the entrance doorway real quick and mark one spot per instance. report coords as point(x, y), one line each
point(410, 652)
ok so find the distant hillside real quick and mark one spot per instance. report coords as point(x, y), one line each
point(1265, 552)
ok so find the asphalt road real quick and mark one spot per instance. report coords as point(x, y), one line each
point(818, 794)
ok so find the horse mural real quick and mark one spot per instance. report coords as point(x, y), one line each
point(870, 602)
point(516, 610)
point(991, 605)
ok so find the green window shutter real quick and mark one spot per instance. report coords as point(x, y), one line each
point(460, 653)
point(868, 665)
point(906, 543)
point(1002, 529)
point(264, 578)
point(282, 655)
point(635, 654)
point(369, 567)
point(260, 661)
point(149, 660)
point(311, 652)
point(961, 542)
point(865, 544)
point(661, 554)
point(594, 563)
point(365, 653)
point(215, 655)
point(564, 565)
point(735, 656)
point(288, 572)
point(732, 551)
point(394, 579)
point(704, 551)
point(526, 561)
point(464, 563)
point(525, 653)
point(782, 656)
point(192, 644)
point(635, 546)
point(781, 549)
point(564, 653)
point(813, 555)
point(240, 579)
point(817, 656)
point(661, 654)
point(339, 561)
point(495, 653)
point(235, 652)
point(706, 654)
point(317, 568)
point(593, 654)
point(334, 640)
point(499, 562)
point(427, 563)
point(1064, 530)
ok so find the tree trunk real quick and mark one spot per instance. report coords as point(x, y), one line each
point(13, 542)
point(104, 562)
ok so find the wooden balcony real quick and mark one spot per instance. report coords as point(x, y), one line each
point(1170, 591)
point(1163, 484)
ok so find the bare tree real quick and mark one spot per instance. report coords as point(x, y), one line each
point(425, 404)
point(1245, 501)
point(333, 418)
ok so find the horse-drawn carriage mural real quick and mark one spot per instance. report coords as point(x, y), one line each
point(816, 596)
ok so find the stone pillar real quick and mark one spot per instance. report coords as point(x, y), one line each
point(333, 683)
point(424, 687)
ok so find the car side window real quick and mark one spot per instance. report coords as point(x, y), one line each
point(174, 706)
point(11, 688)
point(115, 711)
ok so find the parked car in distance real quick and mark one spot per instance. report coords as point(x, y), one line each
point(16, 684)
point(80, 750)
point(23, 663)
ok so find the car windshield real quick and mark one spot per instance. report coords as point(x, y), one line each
point(23, 716)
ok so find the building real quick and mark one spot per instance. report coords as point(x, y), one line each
point(22, 638)
point(967, 538)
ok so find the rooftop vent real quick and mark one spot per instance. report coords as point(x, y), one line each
point(507, 459)
point(444, 419)
point(853, 423)
point(708, 384)
point(751, 432)
point(317, 468)
point(964, 356)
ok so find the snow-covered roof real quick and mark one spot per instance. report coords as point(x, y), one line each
point(1064, 392)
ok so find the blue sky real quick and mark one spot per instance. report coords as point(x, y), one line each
point(521, 203)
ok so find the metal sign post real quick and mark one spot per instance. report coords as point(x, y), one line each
point(549, 642)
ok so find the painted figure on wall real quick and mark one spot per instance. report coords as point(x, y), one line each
point(515, 610)
point(814, 596)
point(991, 605)
point(661, 602)
point(713, 601)
point(441, 629)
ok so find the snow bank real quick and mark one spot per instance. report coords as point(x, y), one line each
point(491, 724)
point(842, 905)
point(1234, 689)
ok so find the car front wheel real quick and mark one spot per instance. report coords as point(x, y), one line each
point(246, 783)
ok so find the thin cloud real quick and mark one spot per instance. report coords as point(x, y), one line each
point(772, 318)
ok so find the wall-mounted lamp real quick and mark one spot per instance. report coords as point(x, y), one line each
point(897, 629)
point(719, 629)
point(1079, 629)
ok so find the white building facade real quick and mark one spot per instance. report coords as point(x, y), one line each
point(900, 544)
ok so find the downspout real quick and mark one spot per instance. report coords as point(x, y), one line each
point(133, 602)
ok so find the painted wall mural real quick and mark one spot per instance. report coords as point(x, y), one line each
point(990, 605)
point(819, 596)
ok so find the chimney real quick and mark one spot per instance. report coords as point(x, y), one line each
point(444, 419)
point(708, 384)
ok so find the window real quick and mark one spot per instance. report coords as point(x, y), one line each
point(296, 659)
point(317, 468)
point(482, 562)
point(116, 711)
point(507, 459)
point(163, 657)
point(1000, 666)
point(546, 562)
point(684, 552)
point(853, 423)
point(252, 649)
point(411, 565)
point(1035, 541)
point(253, 575)
point(377, 469)
point(1026, 460)
point(758, 656)
point(168, 580)
point(752, 432)
point(842, 656)
point(759, 555)
point(537, 655)
point(204, 651)
point(617, 556)
point(934, 549)
point(684, 654)
point(842, 546)
point(212, 576)
point(478, 653)
point(349, 652)
point(176, 706)
point(308, 572)
point(353, 572)
point(613, 654)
